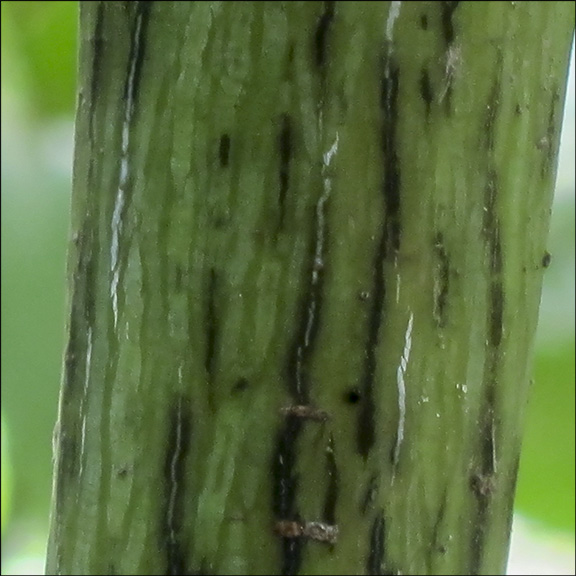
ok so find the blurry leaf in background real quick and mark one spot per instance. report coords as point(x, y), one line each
point(546, 484)
point(41, 44)
point(6, 475)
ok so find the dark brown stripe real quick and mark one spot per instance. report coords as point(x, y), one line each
point(424, 22)
point(285, 146)
point(174, 544)
point(321, 34)
point(331, 498)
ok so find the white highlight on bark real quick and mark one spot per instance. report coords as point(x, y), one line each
point(124, 168)
point(453, 62)
point(393, 14)
point(400, 375)
point(320, 211)
point(84, 399)
point(318, 263)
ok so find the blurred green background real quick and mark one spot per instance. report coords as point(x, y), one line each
point(38, 93)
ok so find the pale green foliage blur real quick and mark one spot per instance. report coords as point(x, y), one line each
point(38, 77)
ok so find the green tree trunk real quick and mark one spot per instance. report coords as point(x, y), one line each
point(308, 246)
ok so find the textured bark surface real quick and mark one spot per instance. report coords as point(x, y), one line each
point(308, 244)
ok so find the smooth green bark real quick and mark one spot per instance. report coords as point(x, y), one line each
point(309, 240)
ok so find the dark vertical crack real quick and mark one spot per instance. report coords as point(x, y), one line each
point(388, 245)
point(550, 142)
point(224, 150)
point(437, 546)
point(377, 563)
point(447, 20)
point(391, 186)
point(174, 544)
point(365, 433)
point(97, 55)
point(483, 480)
point(137, 50)
point(211, 325)
point(285, 152)
point(370, 495)
point(285, 484)
point(331, 498)
point(321, 34)
point(442, 281)
point(426, 92)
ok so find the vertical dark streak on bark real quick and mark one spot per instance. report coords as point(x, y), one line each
point(68, 464)
point(424, 22)
point(137, 50)
point(391, 186)
point(426, 92)
point(482, 482)
point(491, 228)
point(297, 375)
point(97, 50)
point(496, 293)
point(377, 563)
point(224, 150)
point(365, 432)
point(442, 282)
point(483, 479)
point(297, 368)
point(211, 324)
point(331, 499)
point(550, 141)
point(388, 245)
point(285, 145)
point(376, 550)
point(446, 17)
point(436, 546)
point(284, 486)
point(174, 475)
point(82, 318)
point(321, 35)
point(309, 322)
point(369, 495)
